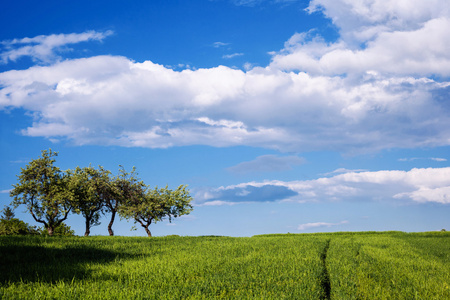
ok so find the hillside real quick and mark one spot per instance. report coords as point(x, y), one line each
point(363, 265)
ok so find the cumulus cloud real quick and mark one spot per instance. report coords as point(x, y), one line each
point(44, 48)
point(363, 20)
point(319, 224)
point(416, 185)
point(389, 38)
point(421, 52)
point(112, 100)
point(381, 85)
point(268, 163)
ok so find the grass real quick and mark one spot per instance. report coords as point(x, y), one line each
point(389, 265)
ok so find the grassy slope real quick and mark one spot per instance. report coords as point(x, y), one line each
point(388, 265)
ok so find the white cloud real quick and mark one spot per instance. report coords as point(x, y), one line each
point(422, 52)
point(216, 203)
point(268, 163)
point(343, 170)
point(229, 56)
point(220, 44)
point(427, 194)
point(381, 85)
point(389, 37)
point(319, 224)
point(19, 161)
point(438, 159)
point(416, 185)
point(114, 101)
point(43, 48)
point(363, 20)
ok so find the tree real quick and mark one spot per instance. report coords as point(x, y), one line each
point(12, 226)
point(91, 188)
point(8, 213)
point(126, 186)
point(157, 204)
point(43, 188)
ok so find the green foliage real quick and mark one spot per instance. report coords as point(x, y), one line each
point(50, 195)
point(8, 213)
point(13, 226)
point(295, 266)
point(157, 204)
point(43, 189)
point(127, 187)
point(60, 230)
point(91, 189)
point(16, 227)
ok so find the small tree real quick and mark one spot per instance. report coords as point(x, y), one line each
point(126, 186)
point(43, 189)
point(13, 226)
point(8, 213)
point(156, 205)
point(91, 189)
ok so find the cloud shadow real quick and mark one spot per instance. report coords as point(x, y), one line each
point(35, 263)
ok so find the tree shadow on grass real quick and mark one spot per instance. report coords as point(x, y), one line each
point(25, 263)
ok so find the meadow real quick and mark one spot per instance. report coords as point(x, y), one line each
point(363, 265)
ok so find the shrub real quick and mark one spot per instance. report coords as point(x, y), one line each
point(61, 229)
point(15, 226)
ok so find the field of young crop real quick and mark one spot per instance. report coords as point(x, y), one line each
point(371, 265)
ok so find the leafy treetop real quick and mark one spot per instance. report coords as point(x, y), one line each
point(42, 187)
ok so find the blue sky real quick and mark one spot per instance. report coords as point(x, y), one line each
point(281, 115)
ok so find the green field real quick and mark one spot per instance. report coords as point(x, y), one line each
point(368, 265)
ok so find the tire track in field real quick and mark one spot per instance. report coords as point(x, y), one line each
point(325, 278)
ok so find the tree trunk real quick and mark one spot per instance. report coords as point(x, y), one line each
point(113, 215)
point(145, 224)
point(50, 230)
point(88, 229)
point(148, 231)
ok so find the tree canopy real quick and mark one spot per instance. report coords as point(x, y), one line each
point(43, 188)
point(157, 204)
point(127, 186)
point(51, 194)
point(91, 189)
